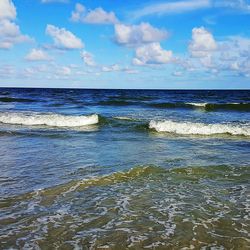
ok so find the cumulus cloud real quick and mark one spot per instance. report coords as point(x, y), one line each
point(7, 10)
point(96, 16)
point(202, 42)
point(152, 53)
point(63, 39)
point(10, 33)
point(235, 55)
point(37, 55)
point(88, 58)
point(230, 55)
point(135, 35)
point(78, 14)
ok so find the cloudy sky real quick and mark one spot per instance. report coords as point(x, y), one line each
point(125, 44)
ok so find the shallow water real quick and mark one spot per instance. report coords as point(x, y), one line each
point(69, 180)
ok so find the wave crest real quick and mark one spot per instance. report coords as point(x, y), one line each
point(189, 128)
point(52, 120)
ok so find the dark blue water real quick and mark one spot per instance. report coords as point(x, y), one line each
point(118, 169)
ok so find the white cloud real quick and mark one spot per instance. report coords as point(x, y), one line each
point(88, 58)
point(202, 42)
point(112, 68)
point(207, 61)
point(235, 55)
point(64, 39)
point(177, 73)
point(100, 16)
point(37, 55)
point(118, 68)
point(78, 14)
point(64, 70)
point(135, 35)
point(10, 33)
point(96, 16)
point(130, 71)
point(171, 7)
point(242, 5)
point(152, 54)
point(207, 55)
point(183, 6)
point(7, 10)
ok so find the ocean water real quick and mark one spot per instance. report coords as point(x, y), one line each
point(124, 169)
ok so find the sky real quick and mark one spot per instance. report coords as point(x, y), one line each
point(152, 44)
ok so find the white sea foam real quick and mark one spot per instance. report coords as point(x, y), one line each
point(124, 118)
point(205, 104)
point(189, 128)
point(198, 104)
point(53, 120)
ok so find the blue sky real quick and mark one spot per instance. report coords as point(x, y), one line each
point(125, 44)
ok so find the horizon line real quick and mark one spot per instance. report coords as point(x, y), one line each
point(75, 88)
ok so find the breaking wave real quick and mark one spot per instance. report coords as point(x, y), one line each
point(189, 128)
point(198, 104)
point(53, 120)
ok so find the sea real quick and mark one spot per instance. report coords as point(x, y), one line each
point(124, 169)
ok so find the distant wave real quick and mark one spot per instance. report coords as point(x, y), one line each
point(205, 106)
point(14, 99)
point(53, 120)
point(198, 104)
point(223, 106)
point(189, 128)
point(167, 105)
point(125, 118)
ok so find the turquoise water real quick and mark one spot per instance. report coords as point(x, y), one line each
point(120, 169)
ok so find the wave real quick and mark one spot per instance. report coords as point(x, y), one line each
point(50, 193)
point(199, 104)
point(13, 99)
point(138, 173)
point(149, 171)
point(53, 120)
point(125, 118)
point(228, 106)
point(222, 106)
point(189, 128)
point(204, 105)
point(167, 105)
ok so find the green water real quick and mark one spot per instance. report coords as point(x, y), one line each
point(145, 207)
